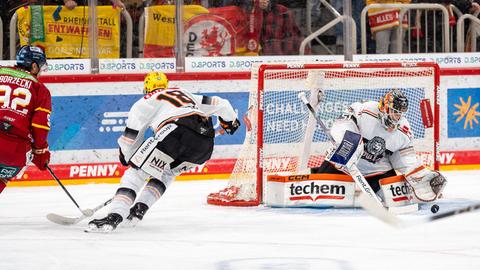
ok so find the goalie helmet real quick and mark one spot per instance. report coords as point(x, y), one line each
point(27, 55)
point(153, 81)
point(392, 107)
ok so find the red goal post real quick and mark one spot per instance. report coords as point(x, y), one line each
point(282, 137)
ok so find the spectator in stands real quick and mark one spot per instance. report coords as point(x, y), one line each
point(419, 30)
point(148, 3)
point(357, 7)
point(71, 4)
point(384, 24)
point(279, 33)
point(8, 8)
point(225, 3)
point(465, 6)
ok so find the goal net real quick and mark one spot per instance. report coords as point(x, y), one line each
point(283, 138)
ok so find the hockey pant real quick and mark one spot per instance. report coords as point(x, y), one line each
point(14, 155)
point(181, 150)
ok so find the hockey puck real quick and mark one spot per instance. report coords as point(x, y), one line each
point(434, 208)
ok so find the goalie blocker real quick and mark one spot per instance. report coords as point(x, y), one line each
point(332, 190)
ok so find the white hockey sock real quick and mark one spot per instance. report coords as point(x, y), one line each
point(152, 192)
point(122, 201)
point(131, 183)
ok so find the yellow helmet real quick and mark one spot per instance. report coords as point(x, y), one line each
point(153, 81)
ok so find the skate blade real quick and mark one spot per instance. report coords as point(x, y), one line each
point(94, 229)
point(130, 223)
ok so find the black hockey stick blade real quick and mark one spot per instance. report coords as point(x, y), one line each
point(451, 213)
point(423, 220)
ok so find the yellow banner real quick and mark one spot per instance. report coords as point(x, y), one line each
point(207, 32)
point(160, 23)
point(65, 32)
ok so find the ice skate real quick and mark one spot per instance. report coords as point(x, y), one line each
point(106, 224)
point(136, 214)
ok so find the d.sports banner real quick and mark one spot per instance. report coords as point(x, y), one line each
point(207, 32)
point(64, 33)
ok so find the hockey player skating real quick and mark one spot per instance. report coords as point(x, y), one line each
point(24, 115)
point(183, 138)
point(381, 140)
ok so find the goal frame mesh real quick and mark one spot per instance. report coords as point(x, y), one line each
point(259, 75)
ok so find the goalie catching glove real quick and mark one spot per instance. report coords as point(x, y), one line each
point(229, 126)
point(426, 185)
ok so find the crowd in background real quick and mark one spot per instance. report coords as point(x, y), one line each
point(279, 26)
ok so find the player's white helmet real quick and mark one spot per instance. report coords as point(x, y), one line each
point(392, 107)
point(153, 81)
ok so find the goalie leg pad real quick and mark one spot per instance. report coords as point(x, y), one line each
point(395, 191)
point(426, 185)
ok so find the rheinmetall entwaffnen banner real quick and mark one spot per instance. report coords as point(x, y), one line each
point(64, 33)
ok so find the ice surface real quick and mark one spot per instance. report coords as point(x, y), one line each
point(183, 232)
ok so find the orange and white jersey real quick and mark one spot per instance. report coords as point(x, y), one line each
point(164, 106)
point(383, 150)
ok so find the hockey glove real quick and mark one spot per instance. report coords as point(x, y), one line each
point(121, 157)
point(426, 185)
point(229, 126)
point(41, 158)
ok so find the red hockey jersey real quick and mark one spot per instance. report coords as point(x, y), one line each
point(25, 107)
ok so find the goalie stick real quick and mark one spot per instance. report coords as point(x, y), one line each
point(353, 171)
point(376, 211)
point(454, 212)
point(63, 220)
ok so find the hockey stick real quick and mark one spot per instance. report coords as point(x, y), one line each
point(370, 203)
point(454, 212)
point(63, 220)
point(395, 221)
point(353, 171)
point(84, 212)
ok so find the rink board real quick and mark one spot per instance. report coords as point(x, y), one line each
point(89, 113)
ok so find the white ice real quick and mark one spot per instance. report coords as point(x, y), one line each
point(183, 232)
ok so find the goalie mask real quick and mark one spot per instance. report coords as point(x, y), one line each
point(153, 81)
point(392, 107)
